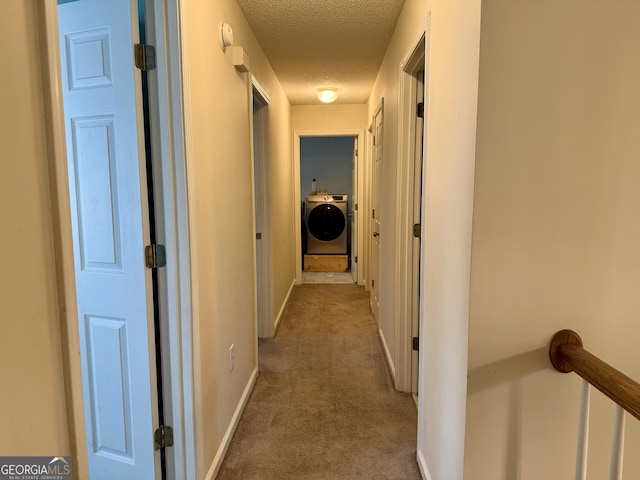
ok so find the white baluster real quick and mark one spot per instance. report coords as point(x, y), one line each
point(617, 450)
point(583, 432)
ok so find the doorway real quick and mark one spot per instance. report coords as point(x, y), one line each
point(328, 208)
point(103, 208)
point(377, 148)
point(260, 146)
point(411, 195)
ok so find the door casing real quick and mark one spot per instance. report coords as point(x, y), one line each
point(171, 197)
point(297, 135)
point(405, 290)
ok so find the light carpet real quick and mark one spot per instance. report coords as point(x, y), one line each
point(324, 406)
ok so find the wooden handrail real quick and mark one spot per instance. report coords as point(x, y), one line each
point(567, 355)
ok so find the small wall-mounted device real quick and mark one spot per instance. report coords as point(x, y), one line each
point(226, 36)
point(240, 59)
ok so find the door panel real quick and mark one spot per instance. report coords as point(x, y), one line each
point(354, 212)
point(108, 384)
point(376, 221)
point(108, 193)
point(418, 159)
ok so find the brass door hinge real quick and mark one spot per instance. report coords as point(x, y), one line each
point(145, 57)
point(163, 437)
point(155, 256)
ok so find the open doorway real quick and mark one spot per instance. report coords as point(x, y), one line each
point(103, 210)
point(260, 148)
point(328, 191)
point(411, 197)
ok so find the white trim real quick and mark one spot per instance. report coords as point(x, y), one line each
point(184, 79)
point(283, 307)
point(226, 440)
point(178, 367)
point(387, 354)
point(405, 198)
point(422, 465)
point(297, 197)
point(261, 90)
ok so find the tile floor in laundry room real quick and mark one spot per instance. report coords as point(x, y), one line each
point(327, 277)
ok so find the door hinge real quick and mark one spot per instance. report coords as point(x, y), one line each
point(373, 283)
point(420, 110)
point(258, 236)
point(355, 207)
point(355, 260)
point(155, 256)
point(373, 214)
point(145, 56)
point(163, 437)
point(417, 230)
point(415, 343)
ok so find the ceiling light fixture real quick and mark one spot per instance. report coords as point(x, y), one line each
point(327, 94)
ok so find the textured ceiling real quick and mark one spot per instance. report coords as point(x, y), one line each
point(315, 43)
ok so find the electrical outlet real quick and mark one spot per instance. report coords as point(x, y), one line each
point(232, 357)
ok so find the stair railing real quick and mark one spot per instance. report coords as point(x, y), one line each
point(567, 355)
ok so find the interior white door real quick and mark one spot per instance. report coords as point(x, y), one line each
point(258, 202)
point(108, 193)
point(376, 221)
point(354, 212)
point(418, 159)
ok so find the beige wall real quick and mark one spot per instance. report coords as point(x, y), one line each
point(220, 187)
point(447, 203)
point(556, 231)
point(33, 415)
point(329, 117)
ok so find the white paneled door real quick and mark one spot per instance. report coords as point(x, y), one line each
point(376, 224)
point(108, 192)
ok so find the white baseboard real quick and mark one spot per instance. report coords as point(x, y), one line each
point(226, 440)
point(282, 308)
point(390, 364)
point(422, 464)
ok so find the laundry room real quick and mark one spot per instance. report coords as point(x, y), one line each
point(326, 191)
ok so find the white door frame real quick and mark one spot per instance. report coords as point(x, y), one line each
point(297, 135)
point(415, 57)
point(172, 201)
point(260, 149)
point(355, 212)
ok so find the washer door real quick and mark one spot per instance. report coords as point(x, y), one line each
point(326, 222)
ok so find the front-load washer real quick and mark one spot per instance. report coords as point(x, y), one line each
point(326, 218)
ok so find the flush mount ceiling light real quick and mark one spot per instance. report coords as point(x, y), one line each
point(327, 94)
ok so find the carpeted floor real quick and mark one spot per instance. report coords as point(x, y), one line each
point(324, 406)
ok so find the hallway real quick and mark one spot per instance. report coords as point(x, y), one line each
point(324, 406)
